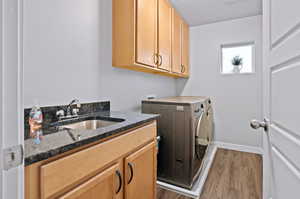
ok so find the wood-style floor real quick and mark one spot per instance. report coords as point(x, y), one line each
point(233, 175)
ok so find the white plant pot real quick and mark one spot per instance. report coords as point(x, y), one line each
point(237, 68)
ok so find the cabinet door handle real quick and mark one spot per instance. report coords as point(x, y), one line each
point(131, 172)
point(161, 60)
point(182, 68)
point(155, 58)
point(120, 181)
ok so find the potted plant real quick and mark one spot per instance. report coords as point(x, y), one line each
point(237, 63)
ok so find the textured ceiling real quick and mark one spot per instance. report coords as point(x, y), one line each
point(199, 12)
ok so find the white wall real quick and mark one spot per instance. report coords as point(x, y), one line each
point(67, 54)
point(236, 98)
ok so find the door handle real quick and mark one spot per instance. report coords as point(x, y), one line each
point(131, 172)
point(120, 181)
point(255, 124)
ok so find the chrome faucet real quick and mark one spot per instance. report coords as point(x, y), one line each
point(73, 112)
point(70, 113)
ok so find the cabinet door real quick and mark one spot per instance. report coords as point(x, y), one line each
point(106, 185)
point(146, 32)
point(185, 48)
point(140, 173)
point(164, 34)
point(176, 40)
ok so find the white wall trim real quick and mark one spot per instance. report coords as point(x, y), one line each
point(237, 147)
point(20, 95)
point(11, 94)
point(1, 97)
point(224, 21)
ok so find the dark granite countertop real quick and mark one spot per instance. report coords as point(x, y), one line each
point(56, 141)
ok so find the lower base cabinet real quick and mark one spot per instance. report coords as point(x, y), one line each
point(102, 185)
point(139, 172)
point(123, 167)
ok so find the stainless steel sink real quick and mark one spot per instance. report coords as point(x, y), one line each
point(89, 124)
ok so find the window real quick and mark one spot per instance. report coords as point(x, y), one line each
point(237, 58)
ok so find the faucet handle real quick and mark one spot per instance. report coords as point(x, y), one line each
point(60, 113)
point(75, 111)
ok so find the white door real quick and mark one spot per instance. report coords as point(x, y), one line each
point(281, 30)
point(11, 99)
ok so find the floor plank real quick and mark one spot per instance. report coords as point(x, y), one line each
point(233, 175)
point(164, 194)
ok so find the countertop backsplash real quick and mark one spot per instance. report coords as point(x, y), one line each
point(49, 112)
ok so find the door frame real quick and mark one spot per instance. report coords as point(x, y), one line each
point(11, 94)
point(1, 98)
point(265, 97)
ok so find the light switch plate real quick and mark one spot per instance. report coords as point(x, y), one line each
point(12, 157)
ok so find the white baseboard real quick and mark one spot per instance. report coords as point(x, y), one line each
point(237, 147)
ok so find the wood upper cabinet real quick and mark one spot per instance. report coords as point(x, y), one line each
point(176, 40)
point(185, 40)
point(142, 37)
point(164, 35)
point(140, 167)
point(180, 48)
point(106, 185)
point(146, 28)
